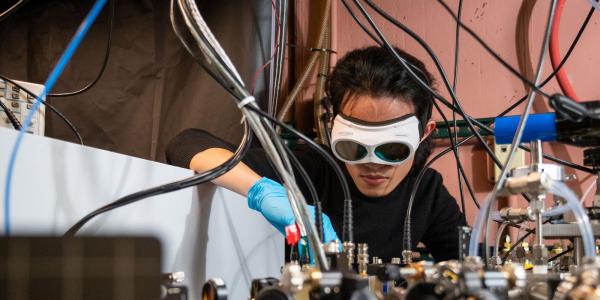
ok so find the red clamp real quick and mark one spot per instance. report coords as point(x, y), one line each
point(292, 234)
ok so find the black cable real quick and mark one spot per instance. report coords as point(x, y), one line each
point(173, 186)
point(311, 188)
point(362, 26)
point(407, 227)
point(312, 191)
point(390, 48)
point(402, 61)
point(562, 62)
point(111, 21)
point(11, 10)
point(231, 90)
point(493, 53)
point(232, 82)
point(457, 46)
point(458, 108)
point(444, 101)
point(563, 162)
point(454, 85)
point(459, 165)
point(467, 118)
point(199, 57)
point(11, 117)
point(233, 75)
point(64, 118)
point(557, 256)
point(427, 87)
point(379, 42)
point(48, 105)
point(317, 203)
point(348, 231)
point(549, 78)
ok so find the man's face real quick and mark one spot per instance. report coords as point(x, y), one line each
point(377, 180)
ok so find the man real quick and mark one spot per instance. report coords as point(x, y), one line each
point(381, 135)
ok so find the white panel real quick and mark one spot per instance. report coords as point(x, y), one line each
point(205, 232)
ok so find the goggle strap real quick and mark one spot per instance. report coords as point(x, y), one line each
point(375, 124)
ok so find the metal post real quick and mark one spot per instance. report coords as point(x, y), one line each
point(578, 250)
point(362, 259)
point(464, 235)
point(536, 152)
point(537, 204)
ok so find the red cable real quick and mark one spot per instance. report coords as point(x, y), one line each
point(561, 75)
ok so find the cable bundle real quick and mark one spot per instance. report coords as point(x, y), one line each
point(202, 45)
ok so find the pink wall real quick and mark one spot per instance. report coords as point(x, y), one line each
point(485, 88)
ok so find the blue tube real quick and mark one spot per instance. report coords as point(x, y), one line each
point(84, 27)
point(538, 127)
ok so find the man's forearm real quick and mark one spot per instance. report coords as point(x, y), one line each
point(239, 179)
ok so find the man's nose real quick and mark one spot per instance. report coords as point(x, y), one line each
point(373, 166)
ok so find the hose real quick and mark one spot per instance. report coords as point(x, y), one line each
point(559, 189)
point(312, 60)
point(279, 56)
point(583, 221)
point(499, 237)
point(554, 49)
point(322, 73)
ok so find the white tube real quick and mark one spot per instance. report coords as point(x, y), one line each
point(477, 227)
point(594, 4)
point(557, 188)
point(587, 192)
point(496, 216)
point(560, 189)
point(556, 211)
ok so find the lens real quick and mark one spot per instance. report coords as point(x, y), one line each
point(350, 150)
point(393, 152)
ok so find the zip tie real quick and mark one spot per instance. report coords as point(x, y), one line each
point(246, 101)
point(323, 50)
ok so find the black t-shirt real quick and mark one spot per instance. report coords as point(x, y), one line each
point(379, 221)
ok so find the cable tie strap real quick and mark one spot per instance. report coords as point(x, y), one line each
point(246, 101)
point(322, 50)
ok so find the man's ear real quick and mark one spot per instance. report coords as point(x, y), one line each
point(429, 129)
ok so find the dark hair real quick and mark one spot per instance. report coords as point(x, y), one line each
point(374, 71)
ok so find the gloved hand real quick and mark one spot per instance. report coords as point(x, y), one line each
point(270, 198)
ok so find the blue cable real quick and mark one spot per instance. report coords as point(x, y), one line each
point(48, 85)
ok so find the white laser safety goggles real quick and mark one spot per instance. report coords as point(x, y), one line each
point(390, 142)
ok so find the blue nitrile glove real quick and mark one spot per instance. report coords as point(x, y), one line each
point(270, 198)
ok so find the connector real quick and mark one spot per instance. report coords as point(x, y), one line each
point(534, 182)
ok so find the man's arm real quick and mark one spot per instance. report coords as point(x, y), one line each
point(239, 179)
point(201, 151)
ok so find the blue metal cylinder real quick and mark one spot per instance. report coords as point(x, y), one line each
point(538, 127)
